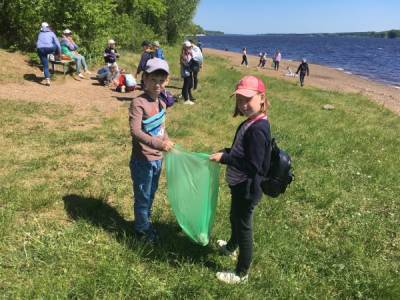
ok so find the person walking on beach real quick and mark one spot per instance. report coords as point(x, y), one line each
point(47, 43)
point(246, 160)
point(277, 59)
point(244, 57)
point(303, 69)
point(149, 140)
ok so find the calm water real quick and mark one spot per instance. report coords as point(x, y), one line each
point(374, 58)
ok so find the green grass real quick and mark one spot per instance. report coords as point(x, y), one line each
point(66, 210)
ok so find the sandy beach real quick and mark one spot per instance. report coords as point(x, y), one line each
point(323, 77)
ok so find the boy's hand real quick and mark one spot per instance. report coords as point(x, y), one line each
point(167, 145)
point(216, 156)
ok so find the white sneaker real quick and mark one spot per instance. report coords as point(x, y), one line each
point(222, 249)
point(188, 102)
point(47, 81)
point(81, 75)
point(231, 278)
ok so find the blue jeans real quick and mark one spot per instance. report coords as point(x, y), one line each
point(80, 62)
point(43, 52)
point(145, 176)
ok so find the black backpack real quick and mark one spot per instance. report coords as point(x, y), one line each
point(279, 175)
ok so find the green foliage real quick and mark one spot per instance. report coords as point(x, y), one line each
point(93, 22)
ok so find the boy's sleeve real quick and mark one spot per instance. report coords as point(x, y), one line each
point(135, 124)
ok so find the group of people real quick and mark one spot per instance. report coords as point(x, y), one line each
point(276, 59)
point(303, 68)
point(48, 45)
point(247, 159)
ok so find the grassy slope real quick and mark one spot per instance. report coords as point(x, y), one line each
point(65, 201)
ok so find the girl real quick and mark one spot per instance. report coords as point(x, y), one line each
point(247, 160)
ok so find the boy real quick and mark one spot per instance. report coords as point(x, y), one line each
point(303, 69)
point(149, 139)
point(146, 55)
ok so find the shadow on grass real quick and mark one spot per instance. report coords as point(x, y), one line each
point(119, 98)
point(33, 78)
point(174, 245)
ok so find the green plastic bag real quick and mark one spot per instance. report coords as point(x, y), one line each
point(192, 182)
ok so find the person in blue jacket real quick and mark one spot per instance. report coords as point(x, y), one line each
point(47, 43)
point(158, 51)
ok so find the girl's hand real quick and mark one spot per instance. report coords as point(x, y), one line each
point(167, 145)
point(216, 156)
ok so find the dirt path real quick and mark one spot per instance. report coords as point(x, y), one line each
point(23, 83)
point(325, 78)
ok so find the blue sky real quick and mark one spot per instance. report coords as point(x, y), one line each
point(300, 16)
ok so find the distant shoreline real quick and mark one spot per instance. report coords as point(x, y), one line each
point(323, 77)
point(389, 34)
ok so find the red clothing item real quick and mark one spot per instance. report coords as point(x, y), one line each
point(121, 80)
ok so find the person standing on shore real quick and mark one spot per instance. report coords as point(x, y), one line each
point(303, 69)
point(246, 160)
point(244, 57)
point(47, 43)
point(277, 59)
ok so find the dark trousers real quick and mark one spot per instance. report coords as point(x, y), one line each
point(42, 53)
point(241, 217)
point(187, 87)
point(244, 60)
point(195, 81)
point(302, 75)
point(276, 65)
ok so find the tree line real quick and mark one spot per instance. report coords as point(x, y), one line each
point(93, 22)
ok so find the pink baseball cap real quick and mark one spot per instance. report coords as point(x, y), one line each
point(249, 86)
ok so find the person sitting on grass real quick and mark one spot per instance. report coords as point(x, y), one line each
point(69, 48)
point(110, 53)
point(290, 73)
point(109, 75)
point(126, 82)
point(149, 140)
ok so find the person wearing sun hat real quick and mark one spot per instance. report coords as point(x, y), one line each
point(47, 43)
point(110, 53)
point(186, 72)
point(246, 161)
point(70, 49)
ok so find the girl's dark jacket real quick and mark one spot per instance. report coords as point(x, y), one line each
point(257, 156)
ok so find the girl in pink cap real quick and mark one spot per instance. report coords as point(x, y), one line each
point(247, 160)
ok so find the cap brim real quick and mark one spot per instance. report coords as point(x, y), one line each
point(245, 92)
point(151, 70)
